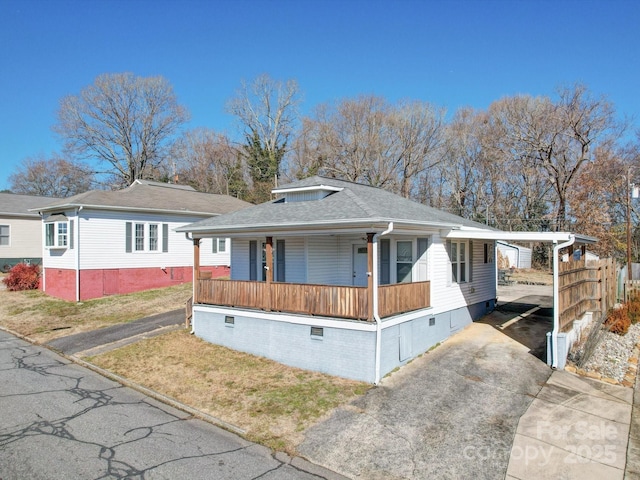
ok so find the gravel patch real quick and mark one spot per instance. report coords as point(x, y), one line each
point(611, 356)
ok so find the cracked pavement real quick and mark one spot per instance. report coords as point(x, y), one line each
point(60, 420)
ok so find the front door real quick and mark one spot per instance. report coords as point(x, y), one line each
point(360, 265)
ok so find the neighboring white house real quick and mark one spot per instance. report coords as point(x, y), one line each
point(109, 242)
point(517, 256)
point(20, 229)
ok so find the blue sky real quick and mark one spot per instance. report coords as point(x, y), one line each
point(451, 53)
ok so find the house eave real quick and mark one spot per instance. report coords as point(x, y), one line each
point(317, 227)
point(71, 206)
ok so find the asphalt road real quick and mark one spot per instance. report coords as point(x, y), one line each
point(59, 420)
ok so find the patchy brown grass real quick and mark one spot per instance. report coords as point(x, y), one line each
point(524, 275)
point(43, 318)
point(272, 402)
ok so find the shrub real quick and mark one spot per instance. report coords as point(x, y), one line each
point(22, 277)
point(618, 320)
point(634, 307)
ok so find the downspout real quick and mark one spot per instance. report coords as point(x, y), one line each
point(376, 313)
point(556, 299)
point(76, 241)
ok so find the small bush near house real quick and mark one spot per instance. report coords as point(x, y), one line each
point(22, 277)
point(634, 307)
point(618, 320)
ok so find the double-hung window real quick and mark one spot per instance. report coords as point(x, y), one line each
point(458, 254)
point(4, 235)
point(153, 237)
point(219, 245)
point(56, 234)
point(404, 261)
point(146, 237)
point(139, 237)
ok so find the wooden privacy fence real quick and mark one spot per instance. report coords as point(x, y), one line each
point(585, 286)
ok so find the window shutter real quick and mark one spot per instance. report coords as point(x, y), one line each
point(470, 260)
point(71, 224)
point(165, 237)
point(128, 238)
point(214, 245)
point(449, 272)
point(280, 266)
point(423, 271)
point(385, 262)
point(253, 260)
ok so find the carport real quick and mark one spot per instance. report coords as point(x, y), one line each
point(556, 353)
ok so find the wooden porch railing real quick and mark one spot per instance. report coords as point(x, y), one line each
point(310, 299)
point(403, 297)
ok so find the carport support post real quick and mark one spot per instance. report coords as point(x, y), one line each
point(196, 268)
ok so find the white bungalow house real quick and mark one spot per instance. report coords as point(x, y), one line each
point(109, 242)
point(342, 278)
point(348, 279)
point(20, 229)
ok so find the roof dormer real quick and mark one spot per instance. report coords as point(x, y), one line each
point(305, 194)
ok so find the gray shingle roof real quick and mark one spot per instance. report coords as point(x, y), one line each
point(355, 205)
point(12, 204)
point(152, 197)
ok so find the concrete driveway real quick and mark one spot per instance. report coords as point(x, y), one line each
point(452, 413)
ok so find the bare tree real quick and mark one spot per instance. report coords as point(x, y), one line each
point(558, 137)
point(209, 162)
point(51, 177)
point(267, 110)
point(121, 120)
point(371, 141)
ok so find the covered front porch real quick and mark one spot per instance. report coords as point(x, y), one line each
point(350, 302)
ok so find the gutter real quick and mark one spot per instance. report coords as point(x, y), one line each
point(556, 300)
point(376, 313)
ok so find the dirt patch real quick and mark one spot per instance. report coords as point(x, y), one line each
point(530, 276)
point(43, 318)
point(273, 403)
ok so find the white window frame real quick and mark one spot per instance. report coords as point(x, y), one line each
point(153, 239)
point(138, 240)
point(59, 238)
point(459, 257)
point(7, 236)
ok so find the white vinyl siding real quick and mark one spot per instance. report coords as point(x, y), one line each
point(295, 260)
point(239, 259)
point(323, 258)
point(25, 237)
point(102, 238)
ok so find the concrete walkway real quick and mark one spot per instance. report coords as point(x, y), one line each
point(575, 428)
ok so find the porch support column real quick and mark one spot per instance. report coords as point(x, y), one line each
point(196, 269)
point(269, 272)
point(370, 276)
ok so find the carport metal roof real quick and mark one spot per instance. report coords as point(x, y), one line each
point(550, 237)
point(560, 240)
